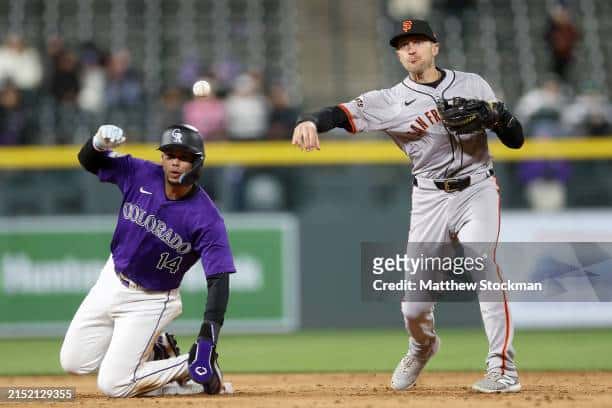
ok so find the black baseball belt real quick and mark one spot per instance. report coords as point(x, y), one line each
point(130, 284)
point(452, 184)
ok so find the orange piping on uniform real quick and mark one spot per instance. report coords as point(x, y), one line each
point(350, 118)
point(506, 312)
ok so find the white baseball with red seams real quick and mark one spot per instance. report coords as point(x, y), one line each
point(201, 88)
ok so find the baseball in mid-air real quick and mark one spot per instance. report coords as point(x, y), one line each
point(201, 88)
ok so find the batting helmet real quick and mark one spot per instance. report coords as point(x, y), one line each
point(185, 137)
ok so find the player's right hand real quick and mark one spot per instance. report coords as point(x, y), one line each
point(108, 137)
point(305, 136)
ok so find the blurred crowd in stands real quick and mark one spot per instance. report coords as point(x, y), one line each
point(559, 109)
point(61, 94)
point(57, 96)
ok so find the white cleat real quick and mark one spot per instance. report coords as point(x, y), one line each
point(188, 387)
point(228, 388)
point(496, 382)
point(409, 368)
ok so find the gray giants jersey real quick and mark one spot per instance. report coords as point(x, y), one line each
point(407, 112)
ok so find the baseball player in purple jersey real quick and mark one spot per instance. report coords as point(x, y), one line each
point(438, 118)
point(166, 223)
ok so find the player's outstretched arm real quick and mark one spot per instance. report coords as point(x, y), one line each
point(309, 125)
point(92, 155)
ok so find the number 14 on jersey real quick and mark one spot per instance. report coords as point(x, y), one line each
point(172, 265)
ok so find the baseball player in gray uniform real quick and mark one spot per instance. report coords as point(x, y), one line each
point(166, 223)
point(455, 195)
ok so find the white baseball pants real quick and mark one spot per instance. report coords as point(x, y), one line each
point(470, 215)
point(114, 331)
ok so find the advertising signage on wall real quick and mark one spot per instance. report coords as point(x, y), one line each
point(48, 264)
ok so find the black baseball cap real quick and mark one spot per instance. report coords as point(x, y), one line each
point(413, 27)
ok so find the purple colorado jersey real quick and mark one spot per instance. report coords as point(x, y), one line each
point(156, 239)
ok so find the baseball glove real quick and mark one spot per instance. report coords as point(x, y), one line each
point(469, 115)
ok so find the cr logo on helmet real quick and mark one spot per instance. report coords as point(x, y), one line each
point(407, 25)
point(177, 136)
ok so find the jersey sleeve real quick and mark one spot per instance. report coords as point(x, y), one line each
point(372, 110)
point(213, 246)
point(119, 170)
point(484, 90)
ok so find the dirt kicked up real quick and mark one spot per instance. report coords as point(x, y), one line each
point(448, 389)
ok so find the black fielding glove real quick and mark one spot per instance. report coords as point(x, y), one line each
point(471, 115)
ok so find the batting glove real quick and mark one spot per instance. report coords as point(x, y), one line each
point(203, 366)
point(108, 137)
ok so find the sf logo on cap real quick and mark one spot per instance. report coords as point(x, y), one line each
point(407, 25)
point(177, 136)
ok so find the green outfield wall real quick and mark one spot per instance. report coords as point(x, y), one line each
point(47, 265)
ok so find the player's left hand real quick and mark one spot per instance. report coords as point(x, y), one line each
point(202, 363)
point(469, 115)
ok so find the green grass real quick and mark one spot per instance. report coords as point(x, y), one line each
point(362, 350)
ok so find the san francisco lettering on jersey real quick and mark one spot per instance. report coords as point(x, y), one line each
point(151, 224)
point(420, 125)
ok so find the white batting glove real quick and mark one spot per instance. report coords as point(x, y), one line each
point(108, 137)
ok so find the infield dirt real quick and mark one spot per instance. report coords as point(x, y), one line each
point(435, 389)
